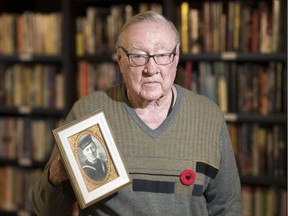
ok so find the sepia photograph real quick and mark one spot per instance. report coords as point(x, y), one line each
point(91, 158)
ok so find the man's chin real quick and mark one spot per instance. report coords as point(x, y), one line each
point(93, 160)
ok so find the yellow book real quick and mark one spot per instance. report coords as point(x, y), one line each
point(237, 24)
point(194, 34)
point(79, 38)
point(79, 44)
point(275, 25)
point(184, 27)
point(59, 84)
point(222, 90)
point(143, 7)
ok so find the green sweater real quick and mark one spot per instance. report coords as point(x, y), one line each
point(194, 136)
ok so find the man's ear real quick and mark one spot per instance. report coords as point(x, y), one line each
point(117, 56)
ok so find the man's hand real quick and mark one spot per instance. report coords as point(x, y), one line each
point(57, 173)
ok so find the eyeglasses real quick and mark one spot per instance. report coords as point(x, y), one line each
point(142, 59)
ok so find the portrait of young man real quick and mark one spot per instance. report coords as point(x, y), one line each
point(94, 166)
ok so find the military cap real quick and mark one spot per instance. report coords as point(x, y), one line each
point(85, 141)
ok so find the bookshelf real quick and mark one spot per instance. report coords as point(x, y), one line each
point(33, 95)
point(250, 87)
point(79, 59)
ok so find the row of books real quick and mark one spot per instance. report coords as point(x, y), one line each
point(15, 189)
point(97, 31)
point(260, 150)
point(38, 85)
point(93, 77)
point(261, 201)
point(31, 33)
point(238, 26)
point(238, 87)
point(26, 139)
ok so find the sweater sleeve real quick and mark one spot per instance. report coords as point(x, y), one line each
point(224, 193)
point(50, 200)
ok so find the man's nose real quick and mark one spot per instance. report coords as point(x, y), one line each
point(151, 67)
point(90, 150)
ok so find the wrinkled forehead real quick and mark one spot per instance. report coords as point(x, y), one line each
point(149, 32)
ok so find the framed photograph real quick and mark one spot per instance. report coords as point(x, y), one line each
point(91, 158)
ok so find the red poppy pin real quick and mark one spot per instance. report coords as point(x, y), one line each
point(187, 177)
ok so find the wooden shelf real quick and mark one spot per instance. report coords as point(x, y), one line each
point(264, 181)
point(246, 117)
point(26, 164)
point(234, 56)
point(20, 111)
point(101, 57)
point(30, 58)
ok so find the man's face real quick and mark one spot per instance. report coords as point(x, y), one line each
point(90, 152)
point(150, 81)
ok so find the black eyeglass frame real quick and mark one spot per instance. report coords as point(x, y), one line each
point(149, 56)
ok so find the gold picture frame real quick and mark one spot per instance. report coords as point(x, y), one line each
point(91, 158)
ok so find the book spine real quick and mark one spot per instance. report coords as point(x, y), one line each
point(184, 27)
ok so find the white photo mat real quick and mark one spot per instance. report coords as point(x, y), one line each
point(87, 190)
